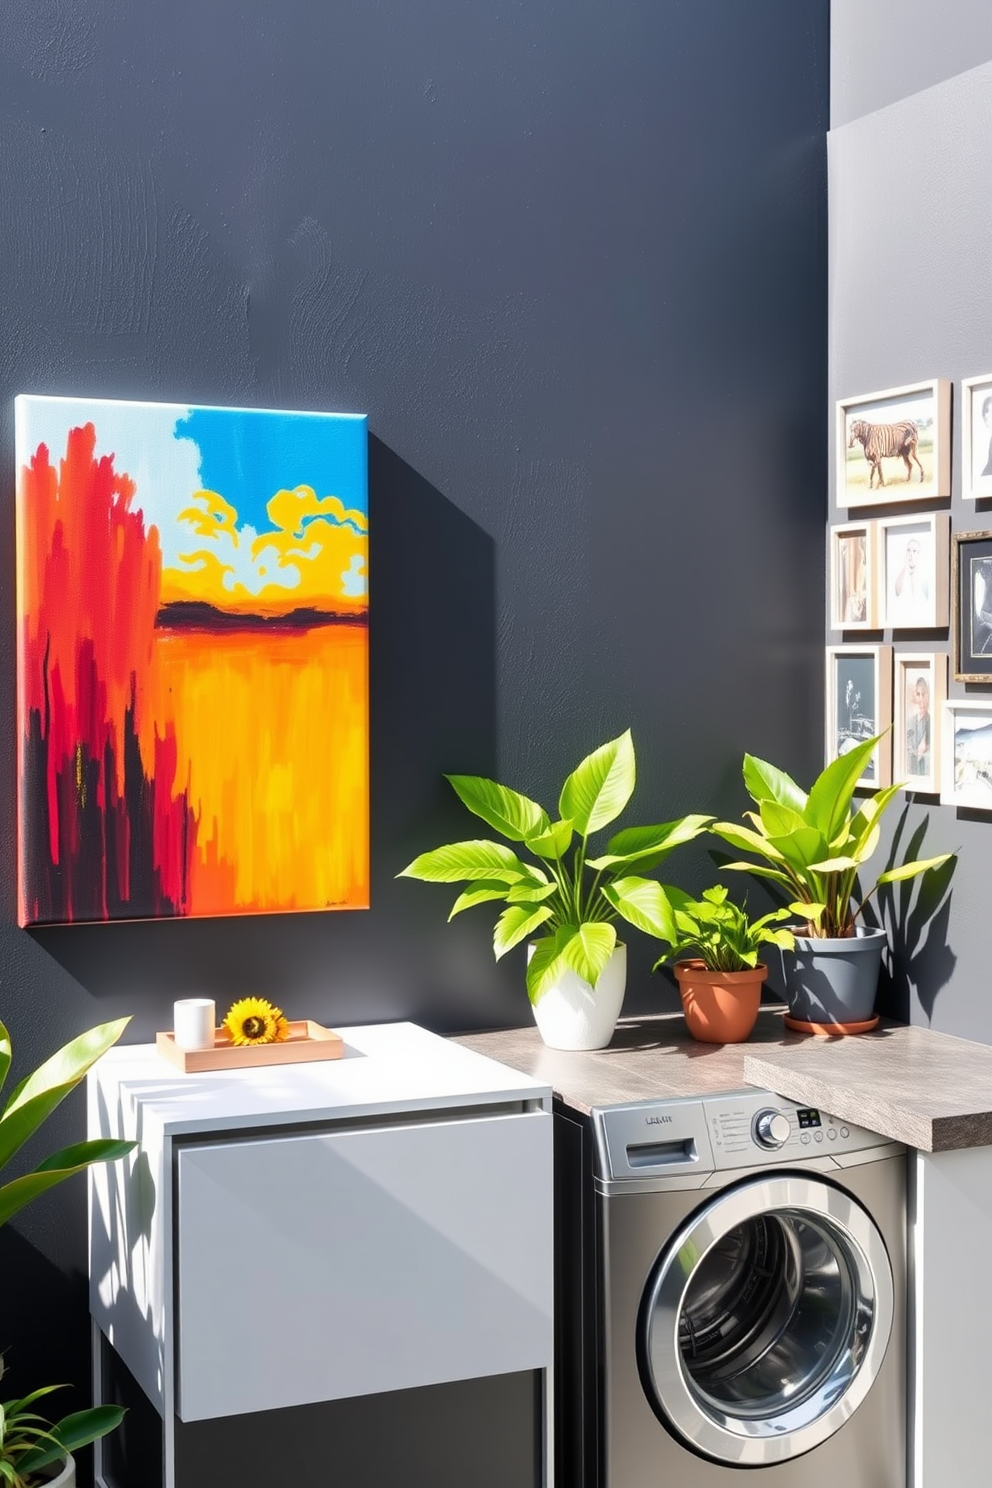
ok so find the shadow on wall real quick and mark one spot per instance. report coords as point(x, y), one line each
point(916, 915)
point(432, 706)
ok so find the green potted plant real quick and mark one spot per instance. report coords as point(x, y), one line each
point(720, 985)
point(33, 1451)
point(576, 972)
point(814, 845)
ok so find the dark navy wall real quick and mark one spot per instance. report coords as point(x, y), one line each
point(570, 260)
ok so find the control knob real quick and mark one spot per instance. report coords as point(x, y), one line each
point(771, 1129)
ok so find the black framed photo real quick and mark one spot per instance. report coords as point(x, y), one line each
point(972, 621)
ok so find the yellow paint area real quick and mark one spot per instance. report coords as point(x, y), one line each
point(314, 556)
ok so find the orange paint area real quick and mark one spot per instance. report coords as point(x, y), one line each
point(273, 728)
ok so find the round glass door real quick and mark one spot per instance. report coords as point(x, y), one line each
point(766, 1319)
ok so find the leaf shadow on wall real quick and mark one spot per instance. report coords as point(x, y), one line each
point(916, 915)
point(432, 706)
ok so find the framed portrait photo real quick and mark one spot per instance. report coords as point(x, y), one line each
point(920, 694)
point(914, 561)
point(895, 445)
point(966, 755)
point(971, 621)
point(976, 437)
point(853, 577)
point(859, 706)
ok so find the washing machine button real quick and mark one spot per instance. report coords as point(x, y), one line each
point(805, 1139)
point(772, 1129)
point(819, 1136)
point(844, 1132)
point(832, 1134)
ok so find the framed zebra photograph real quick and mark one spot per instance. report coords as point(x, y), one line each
point(966, 755)
point(976, 437)
point(859, 706)
point(971, 626)
point(853, 577)
point(914, 557)
point(895, 445)
point(920, 694)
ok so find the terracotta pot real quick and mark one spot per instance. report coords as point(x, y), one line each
point(721, 1007)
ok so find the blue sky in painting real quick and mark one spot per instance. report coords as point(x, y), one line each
point(171, 450)
point(247, 456)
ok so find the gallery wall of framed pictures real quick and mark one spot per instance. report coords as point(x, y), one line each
point(911, 596)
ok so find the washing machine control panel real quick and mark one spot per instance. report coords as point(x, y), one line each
point(681, 1139)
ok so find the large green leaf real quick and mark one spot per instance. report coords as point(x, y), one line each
point(468, 860)
point(746, 840)
point(835, 865)
point(515, 924)
point(832, 792)
point(801, 848)
point(640, 849)
point(587, 951)
point(39, 1094)
point(4, 1054)
point(483, 891)
point(527, 893)
point(779, 821)
point(599, 789)
point(584, 949)
point(644, 904)
point(512, 814)
point(553, 843)
point(72, 1433)
point(14, 1195)
point(778, 875)
point(910, 870)
point(766, 782)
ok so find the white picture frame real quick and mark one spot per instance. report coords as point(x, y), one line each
point(976, 437)
point(914, 563)
point(918, 696)
point(854, 576)
point(911, 461)
point(966, 754)
point(859, 706)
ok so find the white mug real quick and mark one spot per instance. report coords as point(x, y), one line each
point(193, 1022)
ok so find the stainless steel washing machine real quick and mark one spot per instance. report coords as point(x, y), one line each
point(748, 1274)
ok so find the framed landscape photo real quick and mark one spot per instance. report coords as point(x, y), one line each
point(914, 562)
point(971, 621)
point(859, 706)
point(895, 445)
point(853, 577)
point(920, 694)
point(976, 437)
point(966, 755)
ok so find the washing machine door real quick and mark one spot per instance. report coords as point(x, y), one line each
point(765, 1320)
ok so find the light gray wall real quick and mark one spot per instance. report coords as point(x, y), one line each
point(910, 229)
point(884, 50)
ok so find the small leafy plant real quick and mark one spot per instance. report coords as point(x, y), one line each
point(29, 1443)
point(815, 844)
point(719, 932)
point(572, 899)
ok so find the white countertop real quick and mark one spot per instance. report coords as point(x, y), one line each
point(387, 1067)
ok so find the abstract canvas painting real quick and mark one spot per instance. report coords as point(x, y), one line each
point(193, 660)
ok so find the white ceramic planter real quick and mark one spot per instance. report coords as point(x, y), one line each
point(573, 1015)
point(66, 1477)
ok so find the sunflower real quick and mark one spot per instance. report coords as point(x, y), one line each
point(255, 1021)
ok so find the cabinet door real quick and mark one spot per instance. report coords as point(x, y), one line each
point(328, 1264)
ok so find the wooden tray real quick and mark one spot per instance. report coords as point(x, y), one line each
point(307, 1041)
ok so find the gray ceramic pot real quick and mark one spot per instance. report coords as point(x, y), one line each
point(833, 981)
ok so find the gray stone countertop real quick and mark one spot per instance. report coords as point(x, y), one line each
point(929, 1090)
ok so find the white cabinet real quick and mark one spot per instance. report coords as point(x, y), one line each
point(343, 1262)
point(320, 1232)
